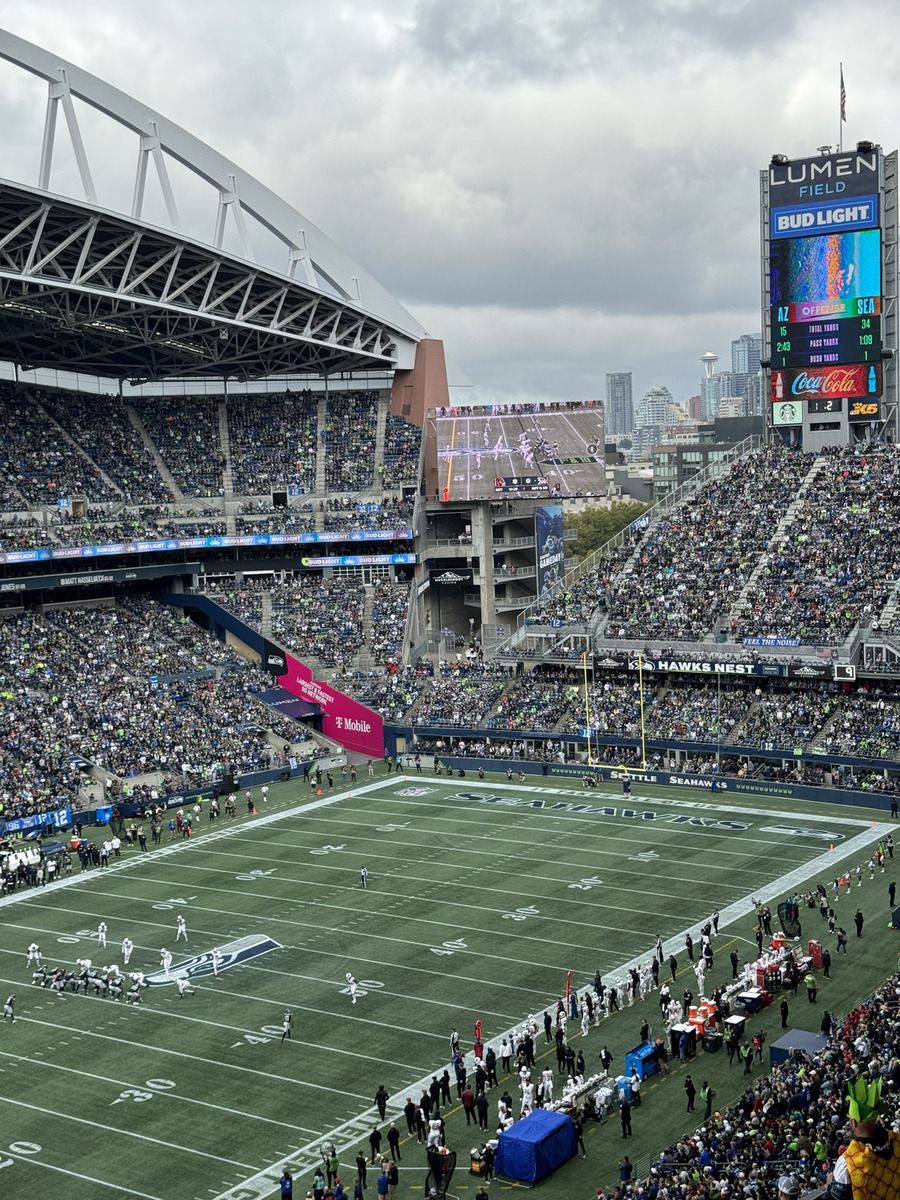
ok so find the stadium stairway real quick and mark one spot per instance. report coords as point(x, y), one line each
point(365, 660)
point(384, 399)
point(742, 602)
point(225, 446)
point(734, 737)
point(321, 425)
point(164, 472)
point(79, 449)
point(817, 742)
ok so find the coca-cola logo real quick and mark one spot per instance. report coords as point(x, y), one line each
point(858, 379)
point(840, 382)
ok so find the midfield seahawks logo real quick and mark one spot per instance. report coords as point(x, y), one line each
point(200, 966)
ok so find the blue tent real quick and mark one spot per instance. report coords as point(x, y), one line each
point(534, 1147)
point(796, 1039)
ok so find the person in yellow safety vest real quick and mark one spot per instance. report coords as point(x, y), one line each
point(869, 1168)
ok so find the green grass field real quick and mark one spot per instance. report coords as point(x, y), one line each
point(481, 897)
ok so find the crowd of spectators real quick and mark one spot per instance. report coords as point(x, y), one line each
point(37, 464)
point(866, 724)
point(129, 527)
point(461, 697)
point(185, 431)
point(538, 701)
point(781, 720)
point(90, 682)
point(321, 619)
point(23, 533)
point(391, 693)
point(840, 556)
point(390, 606)
point(389, 513)
point(100, 425)
point(576, 604)
point(273, 442)
point(263, 518)
point(402, 443)
point(693, 563)
point(349, 437)
point(826, 718)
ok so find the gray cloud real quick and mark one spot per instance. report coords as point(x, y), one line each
point(557, 189)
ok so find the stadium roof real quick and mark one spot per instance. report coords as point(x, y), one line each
point(101, 292)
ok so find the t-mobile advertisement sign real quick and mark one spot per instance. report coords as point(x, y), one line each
point(346, 721)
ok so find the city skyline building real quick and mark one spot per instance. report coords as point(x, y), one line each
point(618, 414)
point(653, 415)
point(746, 352)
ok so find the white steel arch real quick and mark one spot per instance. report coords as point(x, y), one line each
point(310, 254)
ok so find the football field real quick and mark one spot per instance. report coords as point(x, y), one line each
point(480, 898)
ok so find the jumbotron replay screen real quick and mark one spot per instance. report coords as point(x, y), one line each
point(558, 452)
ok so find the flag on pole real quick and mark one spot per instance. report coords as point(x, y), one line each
point(843, 96)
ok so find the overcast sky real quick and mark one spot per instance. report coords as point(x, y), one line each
point(556, 189)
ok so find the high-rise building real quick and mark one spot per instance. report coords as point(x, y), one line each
point(711, 394)
point(746, 352)
point(754, 395)
point(618, 416)
point(654, 415)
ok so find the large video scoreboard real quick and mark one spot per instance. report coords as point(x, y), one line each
point(825, 286)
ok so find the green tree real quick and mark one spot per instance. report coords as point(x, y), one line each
point(595, 526)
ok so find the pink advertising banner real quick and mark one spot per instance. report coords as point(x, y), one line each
point(346, 721)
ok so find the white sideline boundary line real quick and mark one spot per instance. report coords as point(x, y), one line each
point(345, 1136)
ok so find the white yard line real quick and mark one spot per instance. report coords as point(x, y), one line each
point(82, 1032)
point(172, 1014)
point(466, 1008)
point(522, 897)
point(169, 1095)
point(120, 1131)
point(502, 838)
point(230, 830)
point(342, 930)
point(31, 1161)
point(472, 849)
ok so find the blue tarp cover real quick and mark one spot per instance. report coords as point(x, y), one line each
point(535, 1146)
point(796, 1039)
